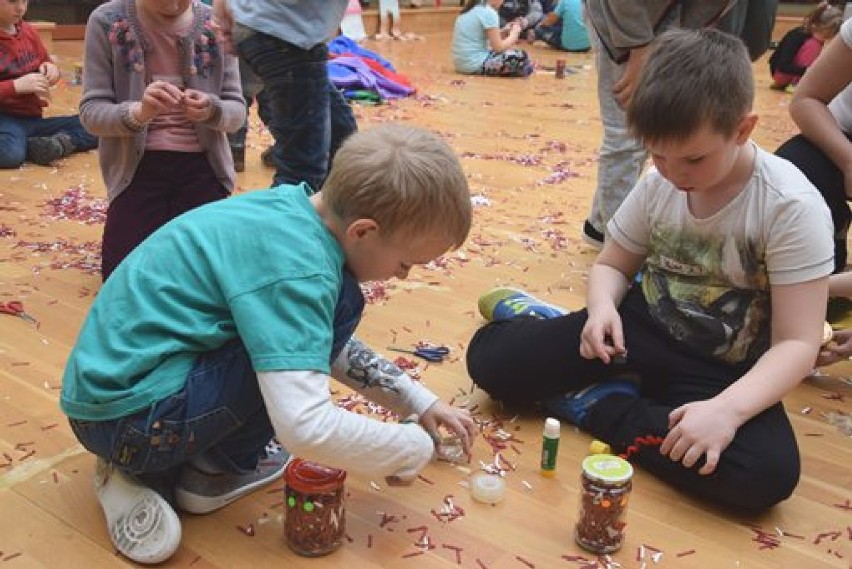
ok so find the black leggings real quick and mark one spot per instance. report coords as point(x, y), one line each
point(828, 179)
point(528, 360)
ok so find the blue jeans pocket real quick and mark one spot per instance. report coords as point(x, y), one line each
point(157, 439)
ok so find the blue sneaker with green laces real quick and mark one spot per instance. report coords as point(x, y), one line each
point(574, 406)
point(504, 303)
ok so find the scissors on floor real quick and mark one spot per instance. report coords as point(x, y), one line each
point(428, 353)
point(16, 308)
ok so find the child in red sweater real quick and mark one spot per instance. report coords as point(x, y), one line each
point(26, 75)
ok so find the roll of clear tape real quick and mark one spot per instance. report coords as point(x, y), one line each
point(487, 488)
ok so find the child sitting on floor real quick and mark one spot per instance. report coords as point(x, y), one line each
point(220, 331)
point(800, 47)
point(482, 47)
point(563, 28)
point(26, 76)
point(735, 247)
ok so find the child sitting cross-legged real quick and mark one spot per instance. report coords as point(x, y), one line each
point(27, 73)
point(221, 329)
point(734, 246)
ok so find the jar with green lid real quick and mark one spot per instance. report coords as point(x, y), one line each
point(315, 513)
point(605, 489)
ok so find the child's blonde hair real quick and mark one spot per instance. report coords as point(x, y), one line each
point(825, 19)
point(405, 178)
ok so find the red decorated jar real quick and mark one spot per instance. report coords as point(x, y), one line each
point(315, 513)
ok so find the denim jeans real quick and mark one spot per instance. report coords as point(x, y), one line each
point(310, 118)
point(14, 132)
point(621, 155)
point(252, 91)
point(219, 412)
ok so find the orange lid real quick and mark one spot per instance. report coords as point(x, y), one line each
point(309, 477)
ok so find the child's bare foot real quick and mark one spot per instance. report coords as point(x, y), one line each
point(381, 37)
point(396, 34)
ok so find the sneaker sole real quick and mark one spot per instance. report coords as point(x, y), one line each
point(198, 504)
point(150, 532)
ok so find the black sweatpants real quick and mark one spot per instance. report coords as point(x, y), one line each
point(829, 180)
point(528, 360)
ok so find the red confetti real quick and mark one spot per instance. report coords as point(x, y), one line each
point(685, 553)
point(455, 548)
point(248, 530)
point(525, 562)
point(75, 204)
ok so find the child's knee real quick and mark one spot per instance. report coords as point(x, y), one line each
point(767, 481)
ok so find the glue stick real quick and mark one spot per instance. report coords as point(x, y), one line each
point(549, 447)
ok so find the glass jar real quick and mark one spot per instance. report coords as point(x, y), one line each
point(605, 489)
point(315, 513)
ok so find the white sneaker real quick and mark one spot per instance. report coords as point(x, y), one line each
point(141, 524)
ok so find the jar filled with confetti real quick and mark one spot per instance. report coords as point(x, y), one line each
point(315, 518)
point(604, 493)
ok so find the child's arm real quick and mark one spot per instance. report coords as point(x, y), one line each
point(497, 42)
point(100, 112)
point(609, 279)
point(840, 285)
point(385, 383)
point(828, 76)
point(309, 424)
point(706, 428)
point(549, 19)
point(840, 347)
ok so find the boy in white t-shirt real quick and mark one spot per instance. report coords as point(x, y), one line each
point(735, 248)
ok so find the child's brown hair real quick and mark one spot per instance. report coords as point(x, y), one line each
point(825, 19)
point(405, 178)
point(692, 78)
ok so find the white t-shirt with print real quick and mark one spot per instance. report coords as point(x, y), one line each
point(707, 281)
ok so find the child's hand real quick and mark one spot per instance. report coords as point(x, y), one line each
point(699, 428)
point(626, 85)
point(602, 336)
point(159, 97)
point(223, 23)
point(457, 421)
point(197, 105)
point(839, 349)
point(50, 71)
point(35, 83)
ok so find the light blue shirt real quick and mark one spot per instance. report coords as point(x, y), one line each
point(574, 34)
point(304, 23)
point(260, 266)
point(470, 43)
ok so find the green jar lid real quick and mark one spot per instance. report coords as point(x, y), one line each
point(607, 468)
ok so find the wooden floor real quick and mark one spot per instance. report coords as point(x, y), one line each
point(529, 149)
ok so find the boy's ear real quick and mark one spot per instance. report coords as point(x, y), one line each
point(746, 127)
point(361, 229)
